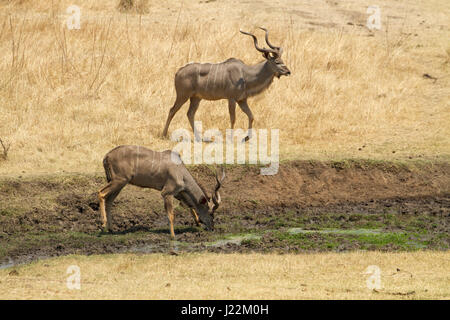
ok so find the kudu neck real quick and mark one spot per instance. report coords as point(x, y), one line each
point(260, 74)
point(193, 189)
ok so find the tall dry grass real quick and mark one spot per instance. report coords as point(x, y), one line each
point(68, 96)
point(408, 275)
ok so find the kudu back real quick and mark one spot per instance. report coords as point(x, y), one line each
point(232, 80)
point(163, 171)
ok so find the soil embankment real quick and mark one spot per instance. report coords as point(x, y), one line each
point(410, 204)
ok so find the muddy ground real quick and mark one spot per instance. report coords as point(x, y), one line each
point(307, 206)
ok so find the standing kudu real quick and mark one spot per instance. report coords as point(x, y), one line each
point(163, 171)
point(232, 80)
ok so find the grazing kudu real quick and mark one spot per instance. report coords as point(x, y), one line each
point(231, 79)
point(163, 171)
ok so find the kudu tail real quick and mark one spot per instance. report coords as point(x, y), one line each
point(107, 169)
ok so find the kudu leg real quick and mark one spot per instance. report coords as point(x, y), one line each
point(196, 219)
point(244, 107)
point(170, 188)
point(176, 106)
point(109, 201)
point(168, 205)
point(232, 111)
point(195, 102)
point(106, 196)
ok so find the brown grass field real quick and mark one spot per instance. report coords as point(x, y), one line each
point(419, 275)
point(69, 96)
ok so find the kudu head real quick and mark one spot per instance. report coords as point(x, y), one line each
point(208, 205)
point(272, 55)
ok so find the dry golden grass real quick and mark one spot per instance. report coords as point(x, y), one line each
point(68, 96)
point(418, 275)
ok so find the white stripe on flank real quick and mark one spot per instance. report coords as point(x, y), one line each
point(137, 161)
point(207, 79)
point(159, 162)
point(153, 162)
point(215, 76)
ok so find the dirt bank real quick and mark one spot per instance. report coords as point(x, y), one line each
point(55, 215)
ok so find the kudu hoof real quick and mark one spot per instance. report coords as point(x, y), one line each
point(105, 230)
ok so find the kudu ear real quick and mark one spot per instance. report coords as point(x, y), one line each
point(270, 56)
point(203, 200)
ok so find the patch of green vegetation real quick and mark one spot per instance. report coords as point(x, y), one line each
point(337, 231)
point(290, 219)
point(331, 239)
point(389, 220)
point(309, 241)
point(383, 239)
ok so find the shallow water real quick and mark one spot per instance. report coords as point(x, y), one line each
point(234, 240)
point(179, 245)
point(8, 264)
